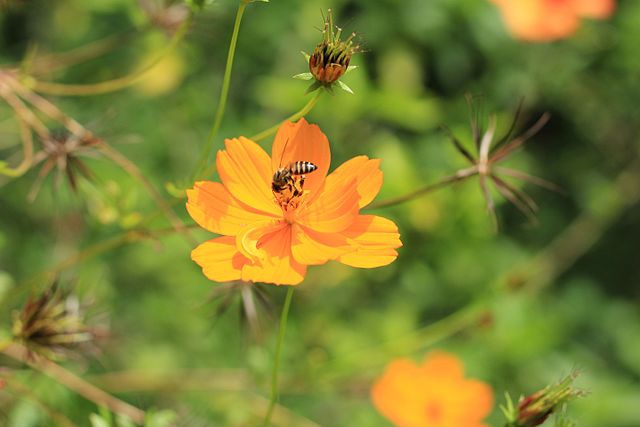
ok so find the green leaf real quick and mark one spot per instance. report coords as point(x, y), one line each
point(160, 419)
point(306, 55)
point(98, 421)
point(176, 190)
point(314, 86)
point(124, 421)
point(509, 410)
point(351, 68)
point(344, 87)
point(303, 76)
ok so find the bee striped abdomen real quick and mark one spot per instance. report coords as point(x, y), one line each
point(301, 167)
point(288, 183)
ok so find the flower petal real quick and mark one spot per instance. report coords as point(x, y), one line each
point(215, 209)
point(375, 239)
point(596, 8)
point(248, 240)
point(269, 248)
point(244, 168)
point(367, 174)
point(439, 364)
point(477, 399)
point(219, 259)
point(398, 394)
point(302, 141)
point(313, 248)
point(536, 20)
point(334, 208)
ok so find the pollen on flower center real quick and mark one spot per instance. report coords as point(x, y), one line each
point(289, 195)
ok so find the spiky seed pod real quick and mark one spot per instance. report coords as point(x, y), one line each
point(331, 57)
point(51, 324)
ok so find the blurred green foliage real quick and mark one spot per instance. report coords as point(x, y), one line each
point(531, 312)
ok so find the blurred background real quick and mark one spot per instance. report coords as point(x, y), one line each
point(521, 307)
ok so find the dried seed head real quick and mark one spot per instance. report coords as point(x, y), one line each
point(63, 152)
point(51, 324)
point(331, 57)
point(491, 152)
point(255, 304)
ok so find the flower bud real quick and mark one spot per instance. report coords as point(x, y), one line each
point(331, 57)
point(534, 409)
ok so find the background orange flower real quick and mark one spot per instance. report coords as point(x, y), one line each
point(433, 394)
point(266, 240)
point(543, 20)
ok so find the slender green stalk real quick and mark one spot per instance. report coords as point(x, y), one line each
point(295, 116)
point(222, 102)
point(458, 176)
point(75, 383)
point(23, 391)
point(276, 363)
point(52, 88)
point(133, 170)
point(27, 150)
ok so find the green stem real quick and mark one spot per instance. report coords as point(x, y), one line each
point(132, 169)
point(74, 382)
point(295, 116)
point(222, 102)
point(63, 89)
point(458, 176)
point(276, 363)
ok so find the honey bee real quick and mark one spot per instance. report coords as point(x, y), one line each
point(288, 182)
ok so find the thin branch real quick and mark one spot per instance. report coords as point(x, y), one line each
point(54, 61)
point(458, 176)
point(224, 94)
point(520, 199)
point(63, 89)
point(133, 170)
point(276, 363)
point(512, 127)
point(24, 391)
point(75, 383)
point(292, 118)
point(49, 164)
point(529, 178)
point(515, 143)
point(22, 110)
point(458, 145)
point(489, 200)
point(27, 151)
point(47, 108)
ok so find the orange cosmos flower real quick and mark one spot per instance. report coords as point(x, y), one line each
point(271, 236)
point(544, 20)
point(434, 394)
